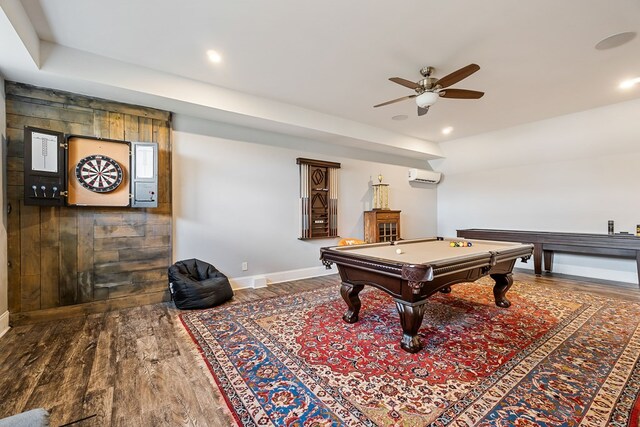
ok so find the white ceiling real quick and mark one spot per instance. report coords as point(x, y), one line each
point(334, 58)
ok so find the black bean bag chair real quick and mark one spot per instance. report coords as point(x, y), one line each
point(197, 284)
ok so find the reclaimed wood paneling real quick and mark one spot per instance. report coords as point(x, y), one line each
point(150, 275)
point(15, 164)
point(100, 294)
point(145, 129)
point(13, 248)
point(85, 255)
point(141, 253)
point(110, 231)
point(130, 242)
point(128, 266)
point(68, 256)
point(164, 154)
point(66, 261)
point(30, 240)
point(50, 257)
point(101, 124)
point(140, 288)
point(105, 256)
point(108, 278)
point(131, 127)
point(116, 125)
point(30, 298)
point(66, 98)
point(36, 110)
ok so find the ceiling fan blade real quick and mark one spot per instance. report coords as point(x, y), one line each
point(458, 75)
point(395, 100)
point(405, 82)
point(461, 94)
point(422, 111)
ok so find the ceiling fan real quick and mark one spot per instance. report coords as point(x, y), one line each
point(429, 89)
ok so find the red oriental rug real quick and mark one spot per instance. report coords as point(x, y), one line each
point(552, 359)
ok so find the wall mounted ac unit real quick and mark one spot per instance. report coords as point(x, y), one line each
point(421, 175)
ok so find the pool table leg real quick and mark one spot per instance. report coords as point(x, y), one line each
point(503, 283)
point(410, 319)
point(537, 258)
point(349, 294)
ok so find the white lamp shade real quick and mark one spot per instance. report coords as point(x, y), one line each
point(427, 99)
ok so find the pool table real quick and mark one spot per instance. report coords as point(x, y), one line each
point(424, 267)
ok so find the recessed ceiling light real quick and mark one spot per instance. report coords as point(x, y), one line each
point(400, 117)
point(615, 40)
point(447, 130)
point(628, 84)
point(214, 56)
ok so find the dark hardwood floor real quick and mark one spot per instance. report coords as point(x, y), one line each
point(139, 367)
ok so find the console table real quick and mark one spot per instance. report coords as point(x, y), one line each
point(546, 243)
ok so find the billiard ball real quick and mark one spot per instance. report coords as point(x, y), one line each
point(398, 251)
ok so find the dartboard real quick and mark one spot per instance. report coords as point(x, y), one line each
point(98, 173)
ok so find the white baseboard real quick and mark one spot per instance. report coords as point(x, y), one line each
point(4, 323)
point(262, 280)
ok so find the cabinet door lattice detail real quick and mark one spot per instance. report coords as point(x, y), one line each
point(318, 199)
point(381, 226)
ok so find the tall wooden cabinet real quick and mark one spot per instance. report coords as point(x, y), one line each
point(381, 225)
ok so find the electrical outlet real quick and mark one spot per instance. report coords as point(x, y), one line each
point(245, 266)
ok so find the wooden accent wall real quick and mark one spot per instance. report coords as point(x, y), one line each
point(65, 261)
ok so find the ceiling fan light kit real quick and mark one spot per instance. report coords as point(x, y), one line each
point(427, 99)
point(429, 89)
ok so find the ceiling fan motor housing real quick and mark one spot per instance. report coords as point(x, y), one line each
point(427, 84)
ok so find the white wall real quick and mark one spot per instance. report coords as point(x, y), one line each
point(4, 314)
point(235, 198)
point(571, 173)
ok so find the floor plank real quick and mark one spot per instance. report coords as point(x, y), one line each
point(138, 366)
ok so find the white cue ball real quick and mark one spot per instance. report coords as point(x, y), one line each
point(398, 251)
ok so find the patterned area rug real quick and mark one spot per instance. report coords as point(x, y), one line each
point(551, 359)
